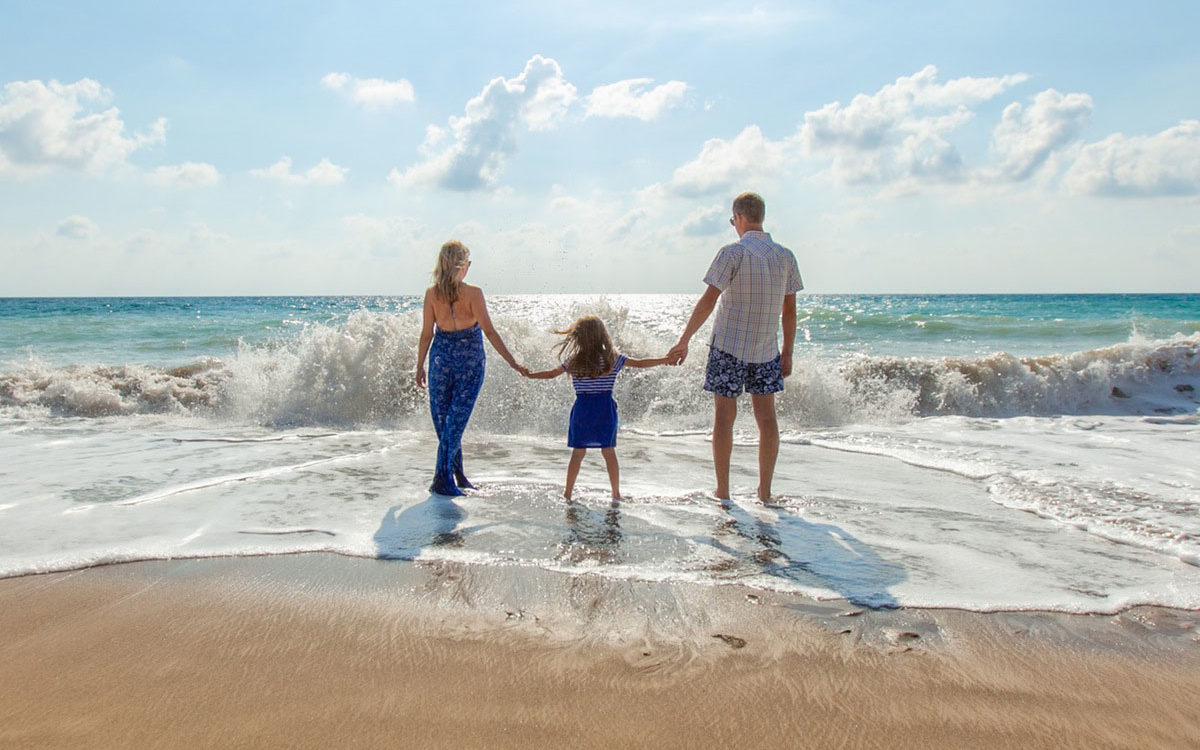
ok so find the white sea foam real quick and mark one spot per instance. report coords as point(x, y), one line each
point(852, 520)
point(986, 482)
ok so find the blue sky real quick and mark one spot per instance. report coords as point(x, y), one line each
point(329, 148)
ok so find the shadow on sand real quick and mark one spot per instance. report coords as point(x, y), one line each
point(404, 532)
point(815, 555)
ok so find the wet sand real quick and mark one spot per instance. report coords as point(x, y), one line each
point(323, 651)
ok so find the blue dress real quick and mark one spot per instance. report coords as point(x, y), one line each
point(594, 415)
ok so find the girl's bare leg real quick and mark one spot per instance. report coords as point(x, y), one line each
point(614, 470)
point(573, 470)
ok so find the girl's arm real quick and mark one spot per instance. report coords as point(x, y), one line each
point(479, 305)
point(426, 338)
point(545, 374)
point(631, 362)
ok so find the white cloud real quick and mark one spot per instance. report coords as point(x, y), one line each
point(189, 174)
point(899, 132)
point(148, 240)
point(731, 165)
point(324, 172)
point(631, 220)
point(370, 92)
point(629, 98)
point(486, 135)
point(705, 221)
point(1167, 163)
point(1026, 137)
point(201, 236)
point(44, 126)
point(386, 236)
point(78, 228)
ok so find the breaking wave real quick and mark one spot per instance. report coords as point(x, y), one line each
point(359, 373)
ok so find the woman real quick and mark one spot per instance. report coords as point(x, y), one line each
point(456, 361)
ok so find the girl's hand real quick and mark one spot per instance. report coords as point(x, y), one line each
point(678, 353)
point(420, 376)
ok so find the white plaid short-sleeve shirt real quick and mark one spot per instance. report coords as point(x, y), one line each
point(754, 275)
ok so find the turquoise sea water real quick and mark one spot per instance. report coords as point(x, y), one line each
point(173, 331)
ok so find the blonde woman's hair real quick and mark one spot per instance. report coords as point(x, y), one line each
point(453, 256)
point(586, 349)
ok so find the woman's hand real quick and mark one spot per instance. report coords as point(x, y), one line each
point(420, 377)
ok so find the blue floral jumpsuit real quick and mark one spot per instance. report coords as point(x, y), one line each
point(456, 367)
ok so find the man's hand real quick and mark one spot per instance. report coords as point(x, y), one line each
point(677, 354)
point(420, 376)
point(785, 363)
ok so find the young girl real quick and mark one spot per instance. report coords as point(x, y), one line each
point(590, 359)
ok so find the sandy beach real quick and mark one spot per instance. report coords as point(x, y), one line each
point(326, 651)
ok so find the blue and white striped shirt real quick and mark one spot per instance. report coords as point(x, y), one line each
point(601, 385)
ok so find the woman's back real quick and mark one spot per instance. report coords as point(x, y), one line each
point(454, 317)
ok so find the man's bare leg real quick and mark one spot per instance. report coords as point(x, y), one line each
point(768, 441)
point(725, 413)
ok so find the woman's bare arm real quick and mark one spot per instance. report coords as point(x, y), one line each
point(426, 337)
point(479, 307)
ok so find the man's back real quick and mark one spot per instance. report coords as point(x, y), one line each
point(754, 275)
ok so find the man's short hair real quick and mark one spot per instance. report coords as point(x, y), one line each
point(752, 206)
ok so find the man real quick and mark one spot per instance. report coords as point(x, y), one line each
point(756, 282)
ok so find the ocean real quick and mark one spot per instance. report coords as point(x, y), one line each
point(982, 452)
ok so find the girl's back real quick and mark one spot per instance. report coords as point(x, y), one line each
point(599, 384)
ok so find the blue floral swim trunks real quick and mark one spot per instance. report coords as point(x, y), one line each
point(726, 375)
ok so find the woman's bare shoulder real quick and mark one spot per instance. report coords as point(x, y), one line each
point(470, 291)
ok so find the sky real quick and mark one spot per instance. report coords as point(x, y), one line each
point(330, 148)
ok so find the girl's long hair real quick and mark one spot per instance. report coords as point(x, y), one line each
point(451, 259)
point(586, 349)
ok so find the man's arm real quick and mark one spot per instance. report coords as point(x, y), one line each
point(704, 307)
point(789, 333)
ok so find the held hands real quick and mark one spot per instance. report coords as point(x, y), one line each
point(677, 354)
